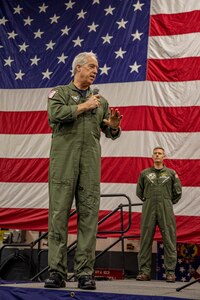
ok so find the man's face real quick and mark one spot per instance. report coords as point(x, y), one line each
point(158, 155)
point(87, 72)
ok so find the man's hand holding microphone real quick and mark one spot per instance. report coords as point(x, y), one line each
point(92, 103)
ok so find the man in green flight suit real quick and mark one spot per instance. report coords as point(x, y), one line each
point(77, 115)
point(159, 188)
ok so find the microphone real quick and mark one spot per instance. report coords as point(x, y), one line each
point(95, 92)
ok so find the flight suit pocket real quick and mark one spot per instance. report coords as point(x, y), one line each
point(88, 199)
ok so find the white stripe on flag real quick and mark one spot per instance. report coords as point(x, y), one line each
point(35, 195)
point(130, 144)
point(173, 6)
point(174, 46)
point(166, 94)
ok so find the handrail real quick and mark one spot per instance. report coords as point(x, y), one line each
point(122, 237)
point(114, 211)
point(73, 245)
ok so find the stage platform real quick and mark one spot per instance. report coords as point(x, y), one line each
point(127, 289)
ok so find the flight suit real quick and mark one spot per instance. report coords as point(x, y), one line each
point(74, 171)
point(159, 190)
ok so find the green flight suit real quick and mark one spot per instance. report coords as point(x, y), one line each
point(159, 189)
point(75, 162)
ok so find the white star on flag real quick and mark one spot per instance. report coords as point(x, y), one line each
point(34, 61)
point(65, 30)
point(19, 75)
point(69, 5)
point(109, 10)
point(62, 58)
point(95, 1)
point(54, 19)
point(120, 53)
point(107, 38)
point(3, 21)
point(77, 42)
point(28, 21)
point(134, 67)
point(81, 14)
point(12, 35)
point(50, 45)
point(138, 6)
point(43, 8)
point(38, 34)
point(46, 74)
point(137, 35)
point(23, 47)
point(8, 61)
point(104, 70)
point(92, 27)
point(122, 24)
point(17, 10)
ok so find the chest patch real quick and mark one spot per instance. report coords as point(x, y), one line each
point(51, 94)
point(76, 98)
point(151, 176)
point(164, 175)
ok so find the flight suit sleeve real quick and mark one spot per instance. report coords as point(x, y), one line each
point(109, 134)
point(140, 187)
point(176, 189)
point(60, 108)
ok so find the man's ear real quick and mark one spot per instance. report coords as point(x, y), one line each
point(78, 67)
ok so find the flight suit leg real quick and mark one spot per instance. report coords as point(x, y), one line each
point(88, 200)
point(62, 182)
point(167, 226)
point(148, 227)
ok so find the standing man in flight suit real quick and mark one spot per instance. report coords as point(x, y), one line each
point(159, 188)
point(77, 116)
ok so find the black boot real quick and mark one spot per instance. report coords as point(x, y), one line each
point(55, 280)
point(86, 282)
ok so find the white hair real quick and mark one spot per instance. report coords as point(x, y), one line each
point(81, 59)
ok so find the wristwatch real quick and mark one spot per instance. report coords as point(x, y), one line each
point(114, 129)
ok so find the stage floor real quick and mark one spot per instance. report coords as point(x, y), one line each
point(125, 287)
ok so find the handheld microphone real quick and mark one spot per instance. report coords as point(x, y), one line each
point(95, 92)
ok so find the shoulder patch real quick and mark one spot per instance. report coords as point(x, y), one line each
point(51, 94)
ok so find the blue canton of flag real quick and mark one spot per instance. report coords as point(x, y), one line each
point(188, 261)
point(37, 45)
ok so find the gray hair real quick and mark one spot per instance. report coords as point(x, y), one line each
point(158, 147)
point(81, 59)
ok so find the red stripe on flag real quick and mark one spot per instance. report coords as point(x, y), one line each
point(24, 218)
point(36, 170)
point(173, 24)
point(148, 118)
point(37, 219)
point(177, 69)
point(24, 169)
point(21, 122)
point(160, 119)
point(127, 169)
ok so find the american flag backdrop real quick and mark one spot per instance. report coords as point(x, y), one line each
point(188, 262)
point(149, 68)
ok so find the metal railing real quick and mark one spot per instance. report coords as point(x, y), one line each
point(120, 232)
point(124, 228)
